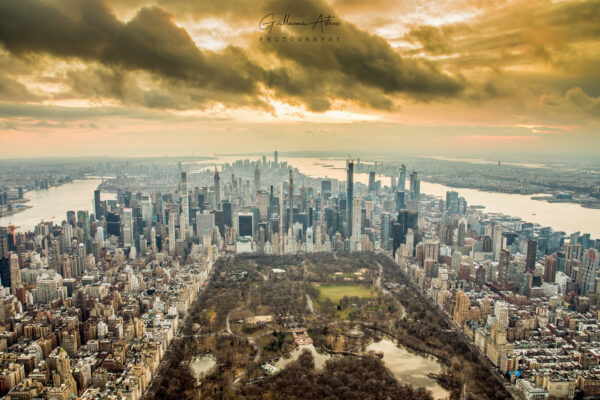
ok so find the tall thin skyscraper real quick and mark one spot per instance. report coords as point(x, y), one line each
point(402, 179)
point(497, 240)
point(217, 187)
point(356, 238)
point(15, 273)
point(98, 204)
point(503, 265)
point(256, 179)
point(185, 203)
point(171, 232)
point(276, 157)
point(415, 186)
point(127, 227)
point(291, 201)
point(349, 197)
point(153, 240)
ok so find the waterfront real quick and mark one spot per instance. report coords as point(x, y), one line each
point(52, 204)
point(568, 217)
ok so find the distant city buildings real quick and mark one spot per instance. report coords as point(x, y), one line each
point(91, 304)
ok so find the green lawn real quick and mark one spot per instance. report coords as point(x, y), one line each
point(336, 292)
point(343, 314)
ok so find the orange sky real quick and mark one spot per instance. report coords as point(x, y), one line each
point(170, 77)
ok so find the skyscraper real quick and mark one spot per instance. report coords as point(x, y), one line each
point(245, 224)
point(461, 234)
point(415, 186)
point(291, 205)
point(386, 219)
point(83, 220)
point(217, 188)
point(171, 232)
point(256, 179)
point(349, 196)
point(402, 179)
point(5, 271)
point(589, 267)
point(452, 202)
point(182, 228)
point(497, 239)
point(276, 157)
point(356, 239)
point(113, 225)
point(503, 265)
point(98, 204)
point(550, 268)
point(372, 181)
point(153, 240)
point(531, 255)
point(65, 266)
point(400, 200)
point(205, 223)
point(184, 201)
point(146, 204)
point(325, 189)
point(127, 227)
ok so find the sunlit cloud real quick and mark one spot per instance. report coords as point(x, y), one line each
point(521, 71)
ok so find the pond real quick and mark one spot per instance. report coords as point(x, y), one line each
point(409, 367)
point(201, 365)
point(320, 358)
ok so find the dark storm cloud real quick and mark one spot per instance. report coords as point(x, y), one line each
point(364, 68)
point(365, 58)
point(150, 41)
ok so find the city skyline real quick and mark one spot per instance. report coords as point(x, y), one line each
point(311, 199)
point(177, 268)
point(158, 78)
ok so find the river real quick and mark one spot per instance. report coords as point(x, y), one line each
point(568, 217)
point(52, 204)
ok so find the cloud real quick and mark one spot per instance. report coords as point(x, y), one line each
point(575, 100)
point(364, 58)
point(499, 58)
point(363, 69)
point(150, 41)
point(13, 90)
